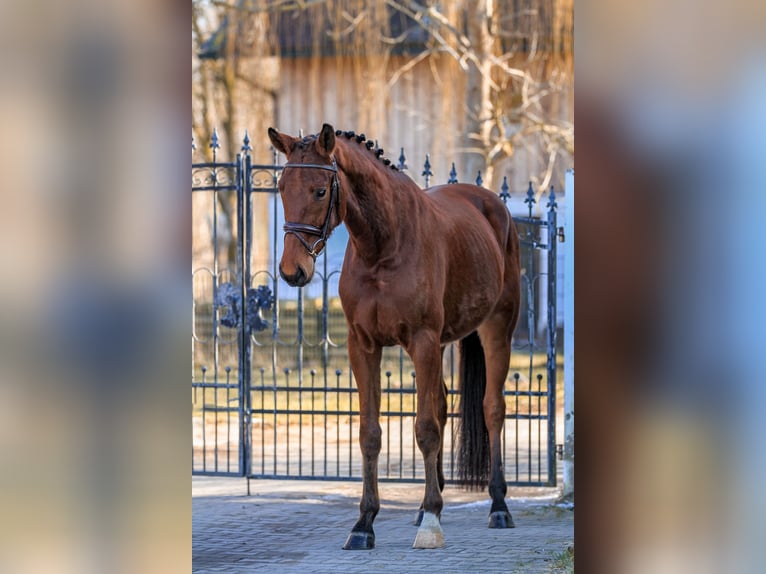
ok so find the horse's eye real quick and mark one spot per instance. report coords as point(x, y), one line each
point(321, 192)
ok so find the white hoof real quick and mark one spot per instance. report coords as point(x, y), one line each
point(430, 533)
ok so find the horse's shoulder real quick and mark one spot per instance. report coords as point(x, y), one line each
point(455, 197)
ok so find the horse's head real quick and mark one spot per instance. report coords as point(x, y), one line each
point(310, 192)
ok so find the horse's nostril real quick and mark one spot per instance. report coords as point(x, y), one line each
point(296, 279)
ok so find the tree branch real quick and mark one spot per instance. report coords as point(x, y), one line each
point(407, 67)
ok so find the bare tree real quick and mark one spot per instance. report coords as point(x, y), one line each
point(516, 62)
point(233, 89)
point(513, 58)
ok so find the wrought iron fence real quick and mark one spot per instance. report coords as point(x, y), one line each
point(272, 391)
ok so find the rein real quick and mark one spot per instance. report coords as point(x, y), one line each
point(324, 231)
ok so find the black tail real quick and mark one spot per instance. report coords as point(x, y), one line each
point(473, 453)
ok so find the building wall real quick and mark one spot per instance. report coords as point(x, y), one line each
point(423, 112)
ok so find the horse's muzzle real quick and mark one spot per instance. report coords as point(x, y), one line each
point(298, 279)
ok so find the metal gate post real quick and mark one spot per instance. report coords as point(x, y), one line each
point(243, 198)
point(568, 489)
point(241, 317)
point(551, 359)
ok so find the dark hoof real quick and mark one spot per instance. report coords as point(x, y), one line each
point(419, 519)
point(360, 541)
point(501, 519)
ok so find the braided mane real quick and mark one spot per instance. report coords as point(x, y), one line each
point(369, 144)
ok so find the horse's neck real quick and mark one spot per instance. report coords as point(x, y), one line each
point(379, 205)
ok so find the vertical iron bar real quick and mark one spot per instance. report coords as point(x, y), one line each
point(241, 338)
point(300, 377)
point(275, 306)
point(325, 321)
point(401, 414)
point(228, 420)
point(287, 431)
point(539, 434)
point(388, 424)
point(529, 429)
point(263, 421)
point(413, 449)
point(215, 428)
point(338, 372)
point(530, 278)
point(452, 405)
point(324, 417)
point(551, 358)
point(214, 143)
point(274, 427)
point(204, 420)
point(325, 350)
point(300, 422)
point(350, 420)
point(246, 339)
point(313, 409)
point(516, 394)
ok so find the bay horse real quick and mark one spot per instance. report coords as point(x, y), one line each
point(422, 269)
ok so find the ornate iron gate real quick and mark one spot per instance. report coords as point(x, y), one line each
point(273, 395)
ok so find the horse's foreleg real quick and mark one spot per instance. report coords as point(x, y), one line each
point(497, 350)
point(365, 364)
point(442, 416)
point(425, 351)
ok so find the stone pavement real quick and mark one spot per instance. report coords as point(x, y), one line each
point(300, 526)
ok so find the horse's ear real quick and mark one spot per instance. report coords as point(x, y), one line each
point(326, 140)
point(282, 142)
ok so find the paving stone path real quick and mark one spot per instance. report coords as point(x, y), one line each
point(300, 526)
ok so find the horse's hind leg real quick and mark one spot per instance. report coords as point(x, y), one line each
point(366, 367)
point(495, 334)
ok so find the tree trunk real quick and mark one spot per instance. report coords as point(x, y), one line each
point(479, 108)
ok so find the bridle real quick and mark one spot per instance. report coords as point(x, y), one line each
point(324, 231)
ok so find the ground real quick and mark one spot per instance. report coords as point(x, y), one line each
point(300, 526)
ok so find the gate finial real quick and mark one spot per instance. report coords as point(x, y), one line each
point(427, 173)
point(452, 174)
point(402, 161)
point(552, 205)
point(530, 200)
point(504, 194)
point(246, 143)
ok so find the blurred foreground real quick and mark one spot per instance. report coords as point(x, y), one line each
point(94, 237)
point(669, 283)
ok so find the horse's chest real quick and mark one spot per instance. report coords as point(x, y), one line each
point(385, 314)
